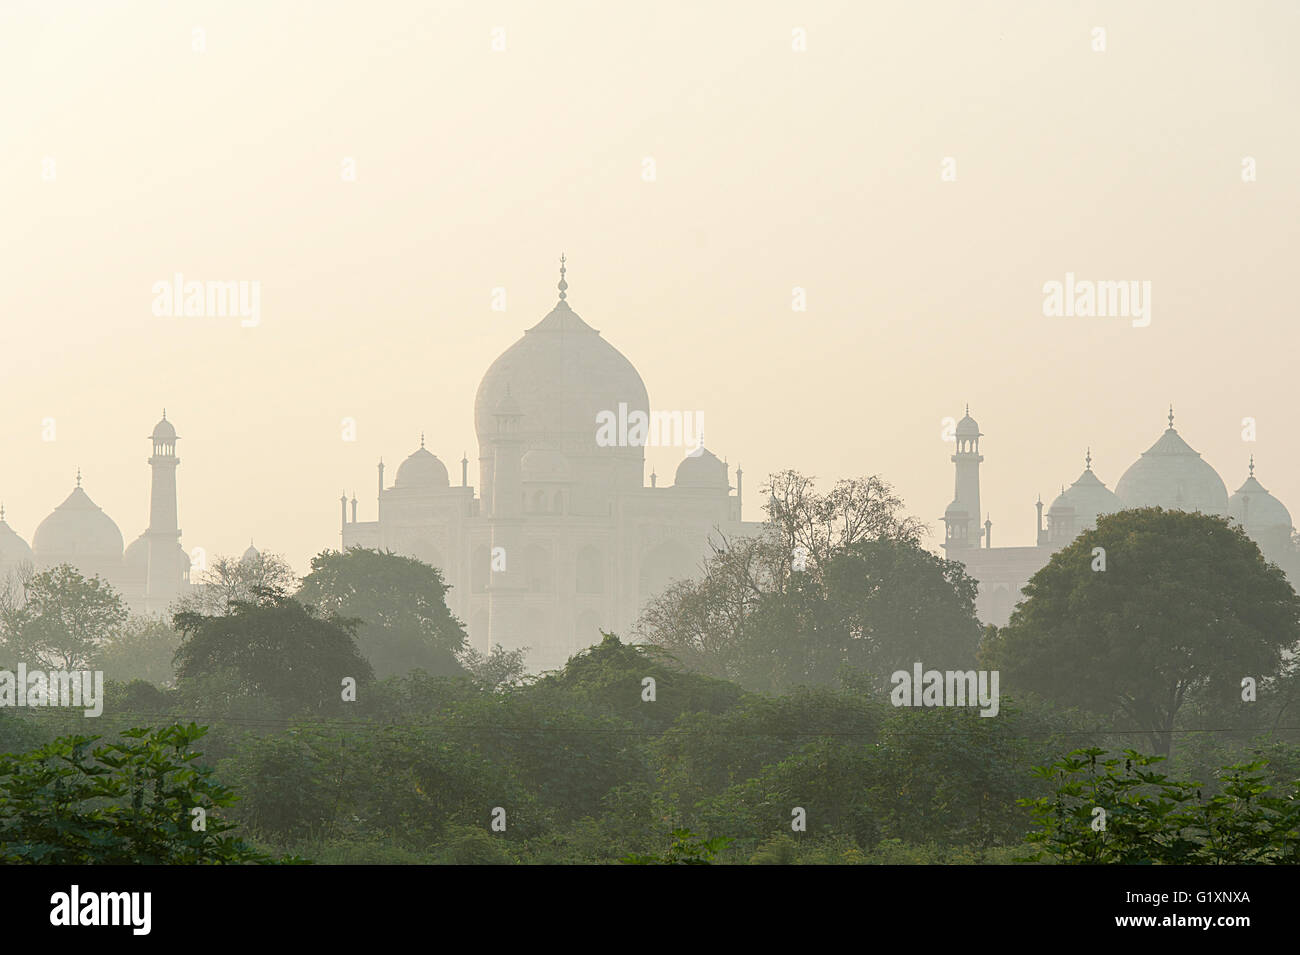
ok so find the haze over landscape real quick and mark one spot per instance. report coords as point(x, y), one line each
point(774, 169)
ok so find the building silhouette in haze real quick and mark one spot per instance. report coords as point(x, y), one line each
point(1169, 474)
point(562, 537)
point(150, 574)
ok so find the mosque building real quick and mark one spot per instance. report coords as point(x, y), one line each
point(1170, 474)
point(562, 538)
point(150, 574)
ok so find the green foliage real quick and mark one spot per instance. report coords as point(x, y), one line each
point(686, 848)
point(72, 803)
point(467, 845)
point(233, 580)
point(951, 777)
point(1186, 607)
point(498, 670)
point(608, 678)
point(862, 594)
point(275, 648)
point(286, 791)
point(18, 734)
point(142, 650)
point(1151, 818)
point(400, 603)
point(703, 754)
point(62, 620)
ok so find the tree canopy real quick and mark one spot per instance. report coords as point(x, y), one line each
point(275, 647)
point(62, 619)
point(832, 581)
point(1186, 605)
point(401, 605)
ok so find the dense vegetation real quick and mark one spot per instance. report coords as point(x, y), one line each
point(750, 722)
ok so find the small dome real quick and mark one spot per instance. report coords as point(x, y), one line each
point(137, 554)
point(967, 427)
point(507, 405)
point(251, 556)
point(956, 510)
point(77, 528)
point(136, 558)
point(543, 464)
point(1062, 504)
point(701, 468)
point(1254, 508)
point(163, 431)
point(422, 469)
point(1091, 498)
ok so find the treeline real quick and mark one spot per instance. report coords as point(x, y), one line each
point(750, 721)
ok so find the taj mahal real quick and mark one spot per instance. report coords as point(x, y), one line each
point(562, 537)
point(1169, 474)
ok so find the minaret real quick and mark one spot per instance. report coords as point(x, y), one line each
point(1040, 537)
point(165, 577)
point(967, 490)
point(506, 586)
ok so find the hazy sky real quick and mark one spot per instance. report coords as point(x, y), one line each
point(775, 169)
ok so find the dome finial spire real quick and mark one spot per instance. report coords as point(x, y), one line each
point(1252, 474)
point(1171, 417)
point(1087, 459)
point(563, 284)
point(421, 439)
point(78, 477)
point(968, 409)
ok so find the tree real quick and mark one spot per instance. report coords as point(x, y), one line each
point(127, 803)
point(877, 606)
point(1187, 605)
point(14, 585)
point(401, 603)
point(686, 848)
point(142, 650)
point(1102, 813)
point(231, 579)
point(831, 581)
point(857, 509)
point(498, 670)
point(275, 647)
point(62, 620)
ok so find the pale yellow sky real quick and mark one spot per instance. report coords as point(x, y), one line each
point(774, 168)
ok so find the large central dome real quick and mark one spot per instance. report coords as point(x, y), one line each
point(1173, 476)
point(562, 374)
